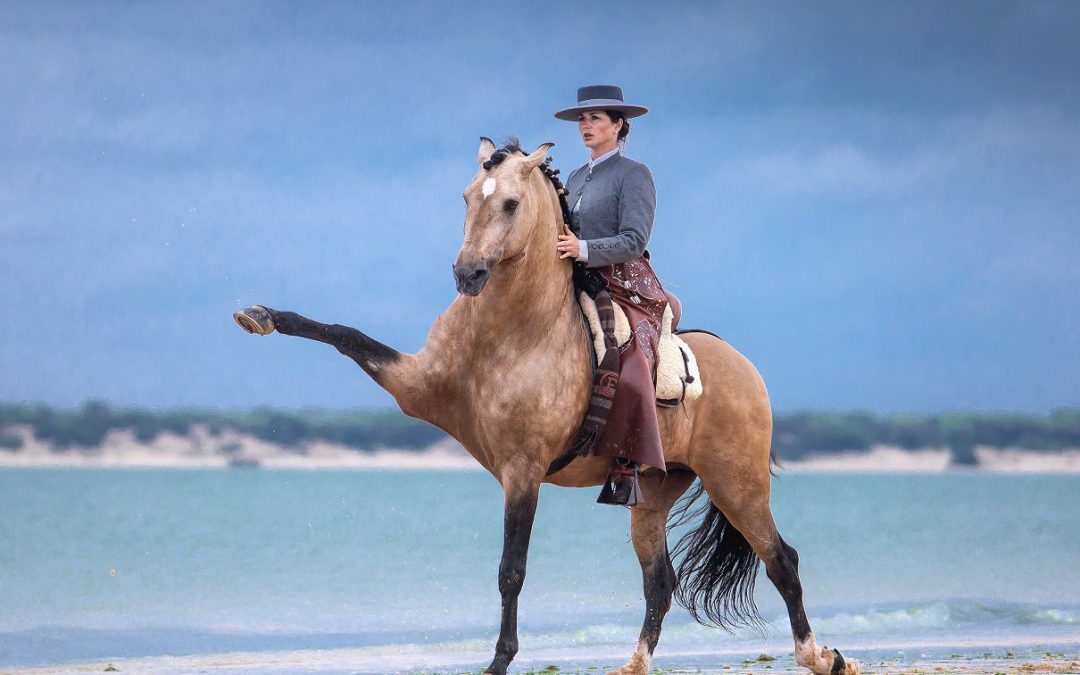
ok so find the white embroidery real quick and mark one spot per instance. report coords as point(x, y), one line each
point(489, 187)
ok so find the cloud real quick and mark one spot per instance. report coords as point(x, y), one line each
point(842, 168)
point(862, 160)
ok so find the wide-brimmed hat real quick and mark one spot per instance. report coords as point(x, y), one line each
point(604, 96)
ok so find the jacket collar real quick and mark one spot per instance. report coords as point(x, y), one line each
point(607, 155)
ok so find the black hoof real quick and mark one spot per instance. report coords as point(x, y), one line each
point(838, 663)
point(255, 320)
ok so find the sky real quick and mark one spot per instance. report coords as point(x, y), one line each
point(877, 203)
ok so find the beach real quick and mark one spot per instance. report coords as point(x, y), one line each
point(200, 449)
point(997, 661)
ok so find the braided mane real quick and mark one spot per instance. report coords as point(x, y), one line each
point(509, 147)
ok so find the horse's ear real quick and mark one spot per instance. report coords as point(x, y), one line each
point(487, 149)
point(537, 156)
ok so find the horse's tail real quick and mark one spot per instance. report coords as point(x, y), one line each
point(718, 568)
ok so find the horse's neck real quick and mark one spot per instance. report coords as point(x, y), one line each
point(525, 315)
point(529, 295)
point(527, 298)
point(528, 303)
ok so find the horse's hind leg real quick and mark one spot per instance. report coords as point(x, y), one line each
point(648, 531)
point(783, 571)
point(748, 511)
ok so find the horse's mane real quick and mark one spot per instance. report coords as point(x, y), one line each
point(509, 147)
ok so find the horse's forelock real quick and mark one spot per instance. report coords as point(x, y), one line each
point(510, 146)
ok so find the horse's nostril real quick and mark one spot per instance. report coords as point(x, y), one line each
point(471, 279)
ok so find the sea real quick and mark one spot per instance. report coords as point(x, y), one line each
point(275, 571)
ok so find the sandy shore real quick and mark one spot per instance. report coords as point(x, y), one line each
point(997, 662)
point(889, 459)
point(200, 449)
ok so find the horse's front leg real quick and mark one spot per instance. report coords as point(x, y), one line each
point(371, 355)
point(520, 510)
point(403, 375)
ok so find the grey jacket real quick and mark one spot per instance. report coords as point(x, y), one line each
point(615, 217)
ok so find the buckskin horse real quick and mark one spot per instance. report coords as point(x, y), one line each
point(507, 371)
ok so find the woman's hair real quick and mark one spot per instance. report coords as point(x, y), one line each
point(615, 116)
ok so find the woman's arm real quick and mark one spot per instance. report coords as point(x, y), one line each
point(637, 206)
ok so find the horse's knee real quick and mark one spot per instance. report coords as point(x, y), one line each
point(511, 577)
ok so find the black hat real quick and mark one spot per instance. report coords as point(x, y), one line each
point(600, 96)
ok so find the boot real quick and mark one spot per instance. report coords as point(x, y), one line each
point(621, 487)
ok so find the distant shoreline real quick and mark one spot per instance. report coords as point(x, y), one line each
point(229, 449)
point(200, 449)
point(98, 434)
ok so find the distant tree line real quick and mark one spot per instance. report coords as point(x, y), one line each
point(798, 434)
point(88, 425)
point(794, 434)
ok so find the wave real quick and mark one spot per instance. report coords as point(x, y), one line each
point(952, 621)
point(960, 613)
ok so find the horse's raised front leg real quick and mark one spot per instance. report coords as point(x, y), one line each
point(369, 354)
point(648, 531)
point(520, 510)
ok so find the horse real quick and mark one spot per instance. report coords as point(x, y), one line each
point(507, 371)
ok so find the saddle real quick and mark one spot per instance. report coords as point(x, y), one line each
point(677, 375)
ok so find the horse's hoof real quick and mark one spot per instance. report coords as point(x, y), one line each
point(255, 320)
point(842, 666)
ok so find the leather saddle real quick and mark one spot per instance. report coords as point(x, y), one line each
point(677, 375)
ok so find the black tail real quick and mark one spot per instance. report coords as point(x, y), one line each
point(718, 568)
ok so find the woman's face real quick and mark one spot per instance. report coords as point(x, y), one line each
point(598, 131)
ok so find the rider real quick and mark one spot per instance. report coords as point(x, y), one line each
point(612, 201)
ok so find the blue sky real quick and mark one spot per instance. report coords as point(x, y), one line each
point(875, 202)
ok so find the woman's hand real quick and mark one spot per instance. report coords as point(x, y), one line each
point(568, 245)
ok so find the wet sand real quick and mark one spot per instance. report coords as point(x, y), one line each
point(996, 662)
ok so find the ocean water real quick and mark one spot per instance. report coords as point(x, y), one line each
point(396, 571)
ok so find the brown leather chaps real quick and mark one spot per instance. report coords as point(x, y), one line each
point(631, 430)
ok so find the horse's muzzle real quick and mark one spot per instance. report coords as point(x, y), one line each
point(471, 278)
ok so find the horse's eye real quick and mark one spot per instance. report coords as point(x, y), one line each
point(511, 205)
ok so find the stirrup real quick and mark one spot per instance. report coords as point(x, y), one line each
point(621, 486)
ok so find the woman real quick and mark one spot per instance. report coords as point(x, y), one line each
point(612, 201)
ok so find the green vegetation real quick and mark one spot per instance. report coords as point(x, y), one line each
point(9, 441)
point(798, 434)
point(795, 434)
point(87, 426)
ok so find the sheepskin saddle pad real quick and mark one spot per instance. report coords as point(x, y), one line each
point(677, 376)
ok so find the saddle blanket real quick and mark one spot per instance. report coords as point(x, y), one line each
point(677, 375)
